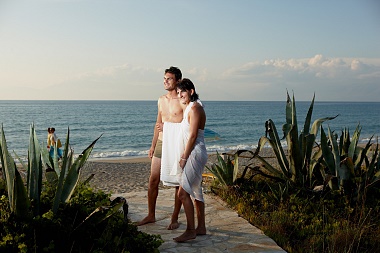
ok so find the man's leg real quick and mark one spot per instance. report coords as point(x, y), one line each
point(154, 181)
point(200, 207)
point(188, 205)
point(177, 208)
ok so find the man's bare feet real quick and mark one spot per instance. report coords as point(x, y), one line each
point(189, 234)
point(146, 220)
point(200, 230)
point(173, 225)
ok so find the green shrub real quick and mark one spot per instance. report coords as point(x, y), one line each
point(60, 233)
point(307, 221)
point(61, 214)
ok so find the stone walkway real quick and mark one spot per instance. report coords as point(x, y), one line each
point(226, 231)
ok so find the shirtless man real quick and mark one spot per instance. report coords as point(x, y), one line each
point(169, 110)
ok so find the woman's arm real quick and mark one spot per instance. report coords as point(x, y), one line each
point(194, 119)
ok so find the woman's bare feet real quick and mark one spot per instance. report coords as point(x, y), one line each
point(146, 220)
point(189, 234)
point(173, 225)
point(200, 230)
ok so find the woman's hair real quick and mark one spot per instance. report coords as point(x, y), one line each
point(186, 85)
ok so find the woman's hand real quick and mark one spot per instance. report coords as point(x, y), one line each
point(182, 162)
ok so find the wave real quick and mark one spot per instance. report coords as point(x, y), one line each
point(116, 154)
point(134, 153)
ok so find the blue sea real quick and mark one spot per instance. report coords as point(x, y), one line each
point(127, 126)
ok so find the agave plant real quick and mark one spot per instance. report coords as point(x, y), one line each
point(349, 167)
point(25, 201)
point(298, 166)
point(225, 170)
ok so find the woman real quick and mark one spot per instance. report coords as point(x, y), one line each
point(192, 161)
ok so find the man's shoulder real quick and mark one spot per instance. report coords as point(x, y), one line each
point(162, 98)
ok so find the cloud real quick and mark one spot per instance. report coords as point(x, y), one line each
point(347, 79)
point(331, 78)
point(119, 82)
point(318, 66)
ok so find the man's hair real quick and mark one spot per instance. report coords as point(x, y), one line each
point(175, 71)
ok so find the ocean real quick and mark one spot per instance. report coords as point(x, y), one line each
point(127, 126)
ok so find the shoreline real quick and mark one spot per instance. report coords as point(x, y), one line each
point(132, 159)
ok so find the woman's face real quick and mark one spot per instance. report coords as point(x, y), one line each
point(184, 96)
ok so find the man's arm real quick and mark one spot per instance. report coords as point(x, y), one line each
point(155, 131)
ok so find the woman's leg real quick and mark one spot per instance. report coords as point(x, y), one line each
point(200, 207)
point(190, 232)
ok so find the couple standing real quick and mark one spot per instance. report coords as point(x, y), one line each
point(179, 140)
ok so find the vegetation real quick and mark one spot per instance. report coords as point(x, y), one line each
point(316, 197)
point(60, 213)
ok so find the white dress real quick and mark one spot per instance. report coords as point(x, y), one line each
point(191, 177)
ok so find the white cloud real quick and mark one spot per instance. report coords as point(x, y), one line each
point(337, 79)
point(331, 78)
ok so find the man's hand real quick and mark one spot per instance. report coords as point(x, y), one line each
point(160, 126)
point(151, 152)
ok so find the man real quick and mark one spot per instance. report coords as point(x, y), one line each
point(169, 111)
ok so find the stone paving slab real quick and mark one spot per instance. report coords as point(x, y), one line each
point(226, 231)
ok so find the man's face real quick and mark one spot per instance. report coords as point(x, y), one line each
point(170, 83)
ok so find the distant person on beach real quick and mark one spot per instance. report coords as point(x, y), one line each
point(48, 138)
point(165, 137)
point(192, 160)
point(53, 139)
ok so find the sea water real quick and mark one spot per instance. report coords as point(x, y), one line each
point(127, 126)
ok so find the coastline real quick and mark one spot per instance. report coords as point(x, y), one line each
point(133, 159)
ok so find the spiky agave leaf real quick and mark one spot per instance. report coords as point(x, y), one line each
point(19, 202)
point(102, 213)
point(327, 153)
point(354, 142)
point(9, 168)
point(275, 142)
point(235, 167)
point(34, 172)
point(374, 167)
point(72, 177)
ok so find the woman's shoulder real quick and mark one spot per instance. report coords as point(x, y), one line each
point(196, 107)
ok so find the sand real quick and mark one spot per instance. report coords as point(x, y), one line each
point(118, 176)
point(124, 175)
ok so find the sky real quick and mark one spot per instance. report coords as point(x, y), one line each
point(247, 50)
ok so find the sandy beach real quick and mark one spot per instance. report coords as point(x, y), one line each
point(121, 175)
point(131, 174)
point(118, 175)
